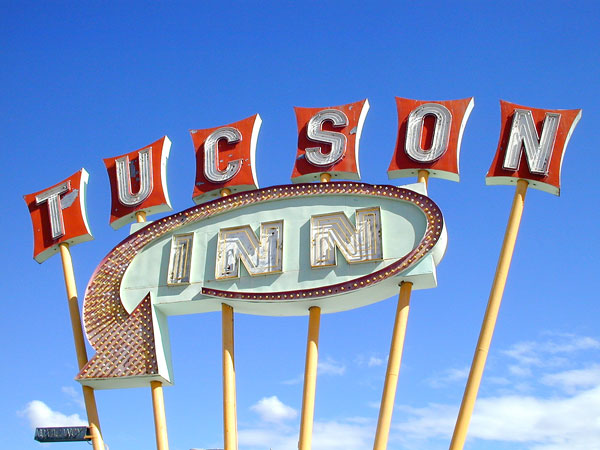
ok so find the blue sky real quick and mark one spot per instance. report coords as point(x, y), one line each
point(82, 83)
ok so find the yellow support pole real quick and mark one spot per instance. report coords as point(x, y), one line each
point(229, 391)
point(310, 379)
point(82, 359)
point(393, 368)
point(229, 395)
point(160, 420)
point(395, 356)
point(310, 368)
point(140, 216)
point(156, 388)
point(489, 320)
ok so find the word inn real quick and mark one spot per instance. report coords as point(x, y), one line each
point(263, 254)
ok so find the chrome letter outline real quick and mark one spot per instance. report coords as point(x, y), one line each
point(126, 196)
point(338, 141)
point(538, 150)
point(538, 136)
point(260, 257)
point(211, 155)
point(52, 197)
point(441, 134)
point(357, 244)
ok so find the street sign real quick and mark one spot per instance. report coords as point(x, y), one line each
point(62, 434)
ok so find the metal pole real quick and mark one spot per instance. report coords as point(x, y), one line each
point(229, 391)
point(82, 359)
point(395, 356)
point(310, 379)
point(310, 368)
point(393, 368)
point(489, 320)
point(140, 216)
point(229, 394)
point(160, 420)
point(423, 176)
point(156, 388)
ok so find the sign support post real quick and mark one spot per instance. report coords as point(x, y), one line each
point(489, 320)
point(395, 356)
point(393, 368)
point(310, 369)
point(229, 391)
point(310, 379)
point(156, 388)
point(82, 359)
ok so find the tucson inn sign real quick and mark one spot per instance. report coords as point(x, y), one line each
point(318, 245)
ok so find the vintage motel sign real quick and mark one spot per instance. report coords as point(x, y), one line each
point(328, 141)
point(138, 182)
point(225, 158)
point(532, 146)
point(273, 251)
point(429, 137)
point(58, 215)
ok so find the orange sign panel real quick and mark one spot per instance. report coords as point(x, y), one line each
point(138, 182)
point(225, 158)
point(58, 215)
point(429, 137)
point(328, 141)
point(532, 146)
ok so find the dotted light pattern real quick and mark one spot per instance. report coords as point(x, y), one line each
point(107, 323)
point(130, 349)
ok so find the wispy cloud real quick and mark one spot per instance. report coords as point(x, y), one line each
point(344, 434)
point(448, 376)
point(528, 415)
point(374, 362)
point(76, 396)
point(536, 423)
point(553, 352)
point(41, 415)
point(271, 409)
point(328, 366)
point(539, 395)
point(571, 380)
point(296, 380)
point(331, 367)
point(368, 361)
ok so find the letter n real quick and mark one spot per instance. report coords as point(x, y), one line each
point(358, 244)
point(260, 256)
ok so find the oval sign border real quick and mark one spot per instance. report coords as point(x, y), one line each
point(103, 311)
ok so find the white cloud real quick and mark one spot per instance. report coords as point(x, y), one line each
point(41, 415)
point(561, 420)
point(271, 409)
point(538, 395)
point(330, 367)
point(449, 376)
point(551, 353)
point(571, 380)
point(535, 422)
point(75, 395)
point(346, 434)
point(362, 360)
point(349, 434)
point(520, 371)
point(327, 367)
point(374, 362)
point(268, 438)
